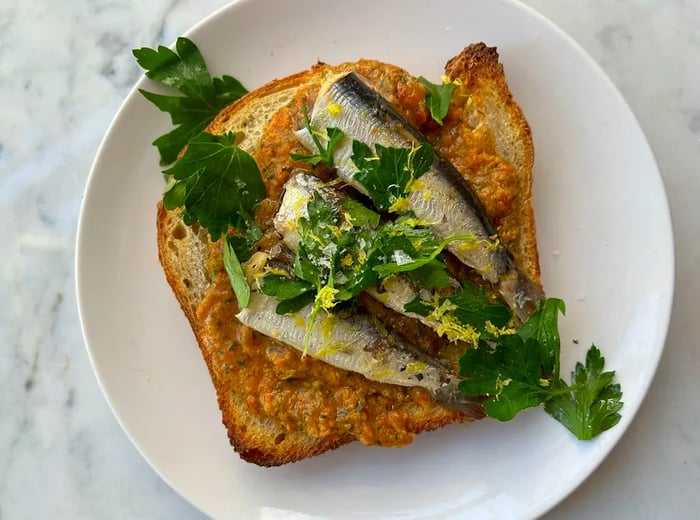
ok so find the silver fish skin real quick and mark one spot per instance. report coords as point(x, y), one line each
point(298, 191)
point(351, 340)
point(396, 291)
point(446, 200)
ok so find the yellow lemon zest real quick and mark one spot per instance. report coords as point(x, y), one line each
point(501, 384)
point(416, 222)
point(416, 366)
point(298, 320)
point(333, 348)
point(326, 296)
point(334, 109)
point(415, 185)
point(382, 374)
point(448, 326)
point(299, 205)
point(496, 331)
point(327, 325)
point(400, 205)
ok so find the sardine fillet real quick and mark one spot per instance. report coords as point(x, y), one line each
point(445, 201)
point(351, 341)
point(396, 291)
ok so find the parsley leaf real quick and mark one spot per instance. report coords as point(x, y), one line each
point(469, 307)
point(203, 98)
point(432, 275)
point(218, 184)
point(438, 98)
point(321, 246)
point(510, 374)
point(325, 152)
point(594, 402)
point(387, 174)
point(284, 288)
point(521, 370)
point(473, 308)
point(317, 251)
point(295, 304)
point(359, 214)
point(425, 252)
point(516, 372)
point(293, 295)
point(333, 252)
point(235, 274)
point(243, 244)
point(543, 326)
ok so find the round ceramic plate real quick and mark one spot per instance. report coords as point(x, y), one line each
point(604, 237)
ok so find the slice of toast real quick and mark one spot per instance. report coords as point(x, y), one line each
point(276, 406)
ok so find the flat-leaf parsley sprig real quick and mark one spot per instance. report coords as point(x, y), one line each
point(203, 97)
point(438, 98)
point(325, 144)
point(387, 173)
point(216, 182)
point(521, 371)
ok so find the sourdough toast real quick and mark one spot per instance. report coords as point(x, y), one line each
point(484, 119)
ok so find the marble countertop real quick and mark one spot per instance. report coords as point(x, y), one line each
point(65, 68)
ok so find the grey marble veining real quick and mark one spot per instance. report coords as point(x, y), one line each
point(65, 68)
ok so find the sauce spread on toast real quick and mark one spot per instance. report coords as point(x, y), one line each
point(307, 395)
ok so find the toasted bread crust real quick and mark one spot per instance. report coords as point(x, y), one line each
point(479, 69)
point(187, 254)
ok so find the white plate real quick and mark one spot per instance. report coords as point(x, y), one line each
point(605, 243)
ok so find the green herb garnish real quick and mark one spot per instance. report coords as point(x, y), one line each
point(293, 295)
point(387, 173)
point(321, 257)
point(235, 273)
point(217, 183)
point(521, 371)
point(438, 98)
point(592, 403)
point(425, 246)
point(359, 215)
point(469, 306)
point(202, 99)
point(325, 151)
point(284, 288)
point(432, 275)
point(340, 254)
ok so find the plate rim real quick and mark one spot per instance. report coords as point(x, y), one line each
point(669, 254)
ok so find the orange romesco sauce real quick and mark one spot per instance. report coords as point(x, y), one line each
point(472, 151)
point(304, 394)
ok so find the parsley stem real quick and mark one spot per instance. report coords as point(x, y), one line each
point(564, 391)
point(310, 326)
point(411, 266)
point(318, 304)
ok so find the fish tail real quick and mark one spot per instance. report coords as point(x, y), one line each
point(451, 396)
point(520, 293)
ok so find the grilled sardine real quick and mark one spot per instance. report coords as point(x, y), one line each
point(395, 292)
point(352, 340)
point(445, 200)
